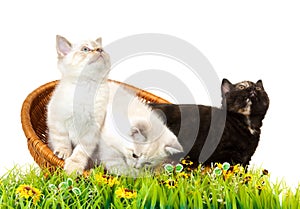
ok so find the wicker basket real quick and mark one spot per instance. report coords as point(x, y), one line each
point(33, 118)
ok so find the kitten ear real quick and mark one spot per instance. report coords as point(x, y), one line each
point(174, 148)
point(259, 83)
point(99, 41)
point(226, 86)
point(63, 46)
point(138, 131)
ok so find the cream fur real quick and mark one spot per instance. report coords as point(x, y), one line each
point(133, 136)
point(77, 108)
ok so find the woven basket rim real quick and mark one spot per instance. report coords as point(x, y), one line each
point(40, 150)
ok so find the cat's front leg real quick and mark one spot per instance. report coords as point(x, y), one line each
point(81, 155)
point(77, 161)
point(63, 152)
point(60, 144)
point(80, 160)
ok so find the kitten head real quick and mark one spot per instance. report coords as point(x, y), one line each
point(153, 143)
point(245, 97)
point(73, 59)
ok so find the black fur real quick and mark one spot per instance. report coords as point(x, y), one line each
point(227, 134)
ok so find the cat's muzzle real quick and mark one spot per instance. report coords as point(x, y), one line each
point(253, 94)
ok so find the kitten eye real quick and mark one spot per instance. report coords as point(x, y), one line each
point(241, 87)
point(85, 49)
point(99, 50)
point(258, 88)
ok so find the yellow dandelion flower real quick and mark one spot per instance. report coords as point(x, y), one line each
point(170, 183)
point(106, 179)
point(26, 191)
point(125, 193)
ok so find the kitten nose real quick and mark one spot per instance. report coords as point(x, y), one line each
point(135, 155)
point(252, 93)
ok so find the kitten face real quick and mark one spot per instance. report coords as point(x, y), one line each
point(74, 58)
point(245, 97)
point(151, 145)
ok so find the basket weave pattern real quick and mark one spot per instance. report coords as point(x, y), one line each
point(34, 121)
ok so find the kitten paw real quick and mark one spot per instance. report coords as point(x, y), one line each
point(63, 153)
point(72, 166)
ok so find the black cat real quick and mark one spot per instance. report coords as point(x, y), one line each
point(227, 134)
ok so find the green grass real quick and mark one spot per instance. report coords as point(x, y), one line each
point(222, 187)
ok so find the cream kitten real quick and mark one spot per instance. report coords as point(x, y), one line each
point(133, 136)
point(77, 108)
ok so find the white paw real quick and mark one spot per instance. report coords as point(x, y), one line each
point(73, 165)
point(63, 152)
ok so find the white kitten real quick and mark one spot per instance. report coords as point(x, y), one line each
point(77, 108)
point(133, 136)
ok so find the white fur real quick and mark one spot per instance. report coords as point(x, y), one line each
point(133, 136)
point(77, 108)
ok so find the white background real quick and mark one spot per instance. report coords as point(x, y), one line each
point(243, 40)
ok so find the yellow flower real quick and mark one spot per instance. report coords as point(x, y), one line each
point(206, 169)
point(247, 178)
point(219, 165)
point(238, 169)
point(259, 187)
point(265, 172)
point(227, 174)
point(26, 191)
point(183, 175)
point(86, 174)
point(109, 180)
point(289, 193)
point(125, 193)
point(186, 162)
point(171, 183)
